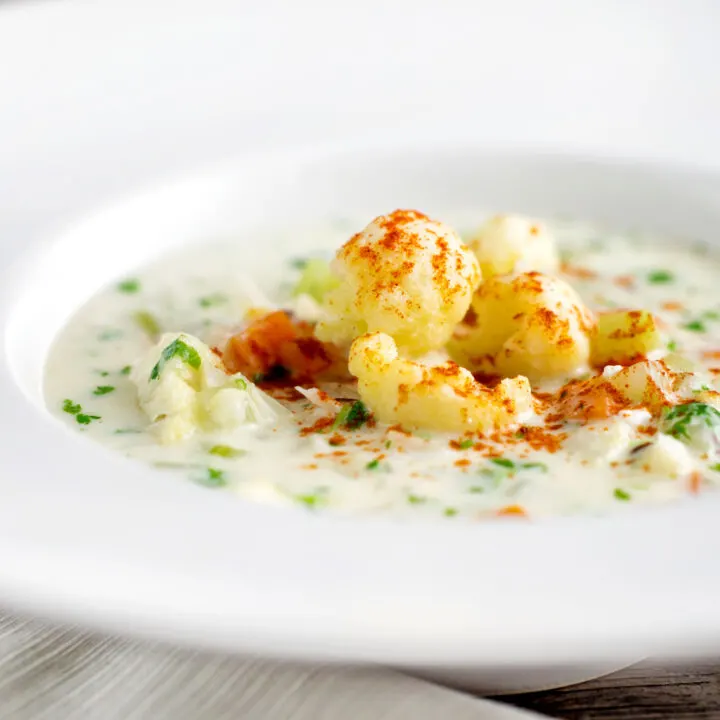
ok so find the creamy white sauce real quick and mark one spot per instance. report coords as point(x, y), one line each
point(205, 292)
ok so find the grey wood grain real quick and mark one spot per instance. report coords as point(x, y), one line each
point(647, 691)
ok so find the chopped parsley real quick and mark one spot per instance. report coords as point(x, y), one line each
point(373, 465)
point(179, 349)
point(503, 462)
point(672, 346)
point(477, 489)
point(213, 300)
point(298, 263)
point(240, 383)
point(534, 466)
point(351, 416)
point(126, 370)
point(695, 326)
point(226, 451)
point(660, 277)
point(621, 494)
point(102, 373)
point(388, 444)
point(702, 389)
point(70, 407)
point(147, 322)
point(75, 409)
point(715, 467)
point(466, 444)
point(103, 389)
point(213, 478)
point(127, 431)
point(711, 315)
point(450, 512)
point(416, 499)
point(676, 421)
point(129, 286)
point(313, 500)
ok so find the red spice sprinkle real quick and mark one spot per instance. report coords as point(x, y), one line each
point(462, 462)
point(320, 425)
point(312, 466)
point(337, 439)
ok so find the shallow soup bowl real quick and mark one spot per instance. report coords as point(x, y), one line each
point(91, 537)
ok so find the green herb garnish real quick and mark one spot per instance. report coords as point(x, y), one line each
point(103, 389)
point(672, 346)
point(213, 300)
point(621, 494)
point(127, 431)
point(373, 465)
point(69, 406)
point(477, 489)
point(676, 421)
point(148, 323)
point(213, 478)
point(313, 500)
point(503, 462)
point(450, 512)
point(466, 444)
point(660, 277)
point(177, 348)
point(226, 451)
point(534, 466)
point(416, 499)
point(715, 467)
point(126, 370)
point(695, 326)
point(75, 409)
point(102, 373)
point(711, 315)
point(351, 416)
point(240, 383)
point(129, 286)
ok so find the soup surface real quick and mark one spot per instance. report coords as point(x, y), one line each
point(206, 364)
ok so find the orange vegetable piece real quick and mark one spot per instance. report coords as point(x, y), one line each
point(276, 340)
point(512, 510)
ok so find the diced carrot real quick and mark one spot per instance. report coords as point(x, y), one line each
point(695, 482)
point(512, 510)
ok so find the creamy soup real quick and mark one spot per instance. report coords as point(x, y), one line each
point(307, 441)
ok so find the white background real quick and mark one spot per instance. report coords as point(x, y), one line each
point(635, 77)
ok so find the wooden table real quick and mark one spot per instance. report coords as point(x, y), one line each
point(647, 691)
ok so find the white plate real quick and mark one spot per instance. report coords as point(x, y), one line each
point(87, 536)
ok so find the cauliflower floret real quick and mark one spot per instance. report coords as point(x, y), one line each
point(529, 324)
point(510, 243)
point(439, 397)
point(405, 275)
point(664, 456)
point(624, 336)
point(182, 388)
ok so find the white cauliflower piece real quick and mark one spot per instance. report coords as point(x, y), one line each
point(664, 456)
point(405, 275)
point(649, 383)
point(182, 388)
point(440, 397)
point(510, 243)
point(529, 324)
point(602, 443)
